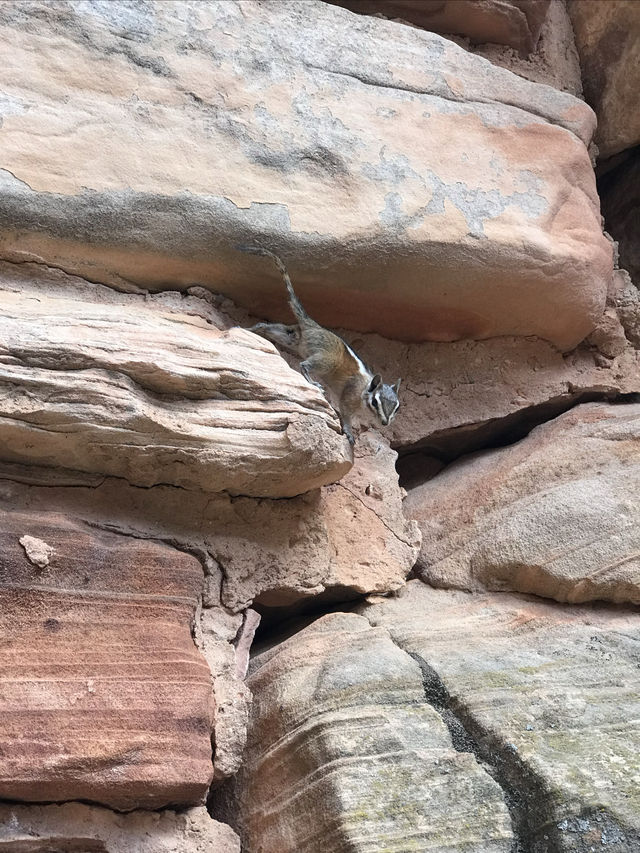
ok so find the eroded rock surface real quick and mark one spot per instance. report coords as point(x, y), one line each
point(151, 391)
point(549, 694)
point(345, 753)
point(351, 537)
point(608, 41)
point(460, 396)
point(489, 226)
point(513, 22)
point(103, 695)
point(555, 514)
point(88, 829)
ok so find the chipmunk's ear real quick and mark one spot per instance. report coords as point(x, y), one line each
point(396, 385)
point(376, 382)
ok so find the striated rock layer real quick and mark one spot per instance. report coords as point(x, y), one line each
point(88, 829)
point(458, 200)
point(555, 514)
point(345, 754)
point(148, 390)
point(103, 695)
point(549, 696)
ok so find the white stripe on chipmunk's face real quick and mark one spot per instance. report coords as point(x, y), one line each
point(383, 399)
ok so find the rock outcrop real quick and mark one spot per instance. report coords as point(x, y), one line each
point(148, 390)
point(608, 41)
point(489, 226)
point(103, 695)
point(516, 23)
point(345, 753)
point(555, 514)
point(88, 829)
point(548, 696)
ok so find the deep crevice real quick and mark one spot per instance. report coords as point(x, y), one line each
point(463, 740)
point(419, 462)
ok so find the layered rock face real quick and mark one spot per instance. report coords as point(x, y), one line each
point(122, 374)
point(489, 226)
point(171, 486)
point(355, 757)
point(548, 696)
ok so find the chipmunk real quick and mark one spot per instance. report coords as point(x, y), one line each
point(330, 359)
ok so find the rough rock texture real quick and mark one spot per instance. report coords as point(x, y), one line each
point(608, 41)
point(461, 396)
point(620, 194)
point(351, 537)
point(513, 22)
point(553, 62)
point(145, 389)
point(103, 695)
point(77, 828)
point(345, 754)
point(489, 225)
point(555, 514)
point(548, 695)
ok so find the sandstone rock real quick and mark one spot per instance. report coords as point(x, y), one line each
point(345, 754)
point(548, 694)
point(103, 695)
point(460, 396)
point(131, 387)
point(88, 829)
point(346, 540)
point(554, 61)
point(556, 514)
point(608, 41)
point(514, 22)
point(113, 113)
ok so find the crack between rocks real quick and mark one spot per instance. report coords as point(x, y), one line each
point(449, 445)
point(127, 286)
point(464, 739)
point(379, 517)
point(415, 90)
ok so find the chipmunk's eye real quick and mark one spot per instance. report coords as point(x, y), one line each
point(374, 402)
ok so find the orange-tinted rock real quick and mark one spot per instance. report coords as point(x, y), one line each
point(555, 514)
point(516, 23)
point(150, 390)
point(103, 695)
point(414, 190)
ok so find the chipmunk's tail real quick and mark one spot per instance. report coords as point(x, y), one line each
point(296, 305)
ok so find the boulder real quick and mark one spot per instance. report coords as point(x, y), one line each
point(103, 695)
point(345, 754)
point(608, 42)
point(516, 23)
point(141, 144)
point(549, 698)
point(89, 829)
point(555, 514)
point(146, 389)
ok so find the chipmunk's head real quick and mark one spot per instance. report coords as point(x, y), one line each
point(383, 399)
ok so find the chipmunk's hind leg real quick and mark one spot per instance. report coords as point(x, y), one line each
point(313, 364)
